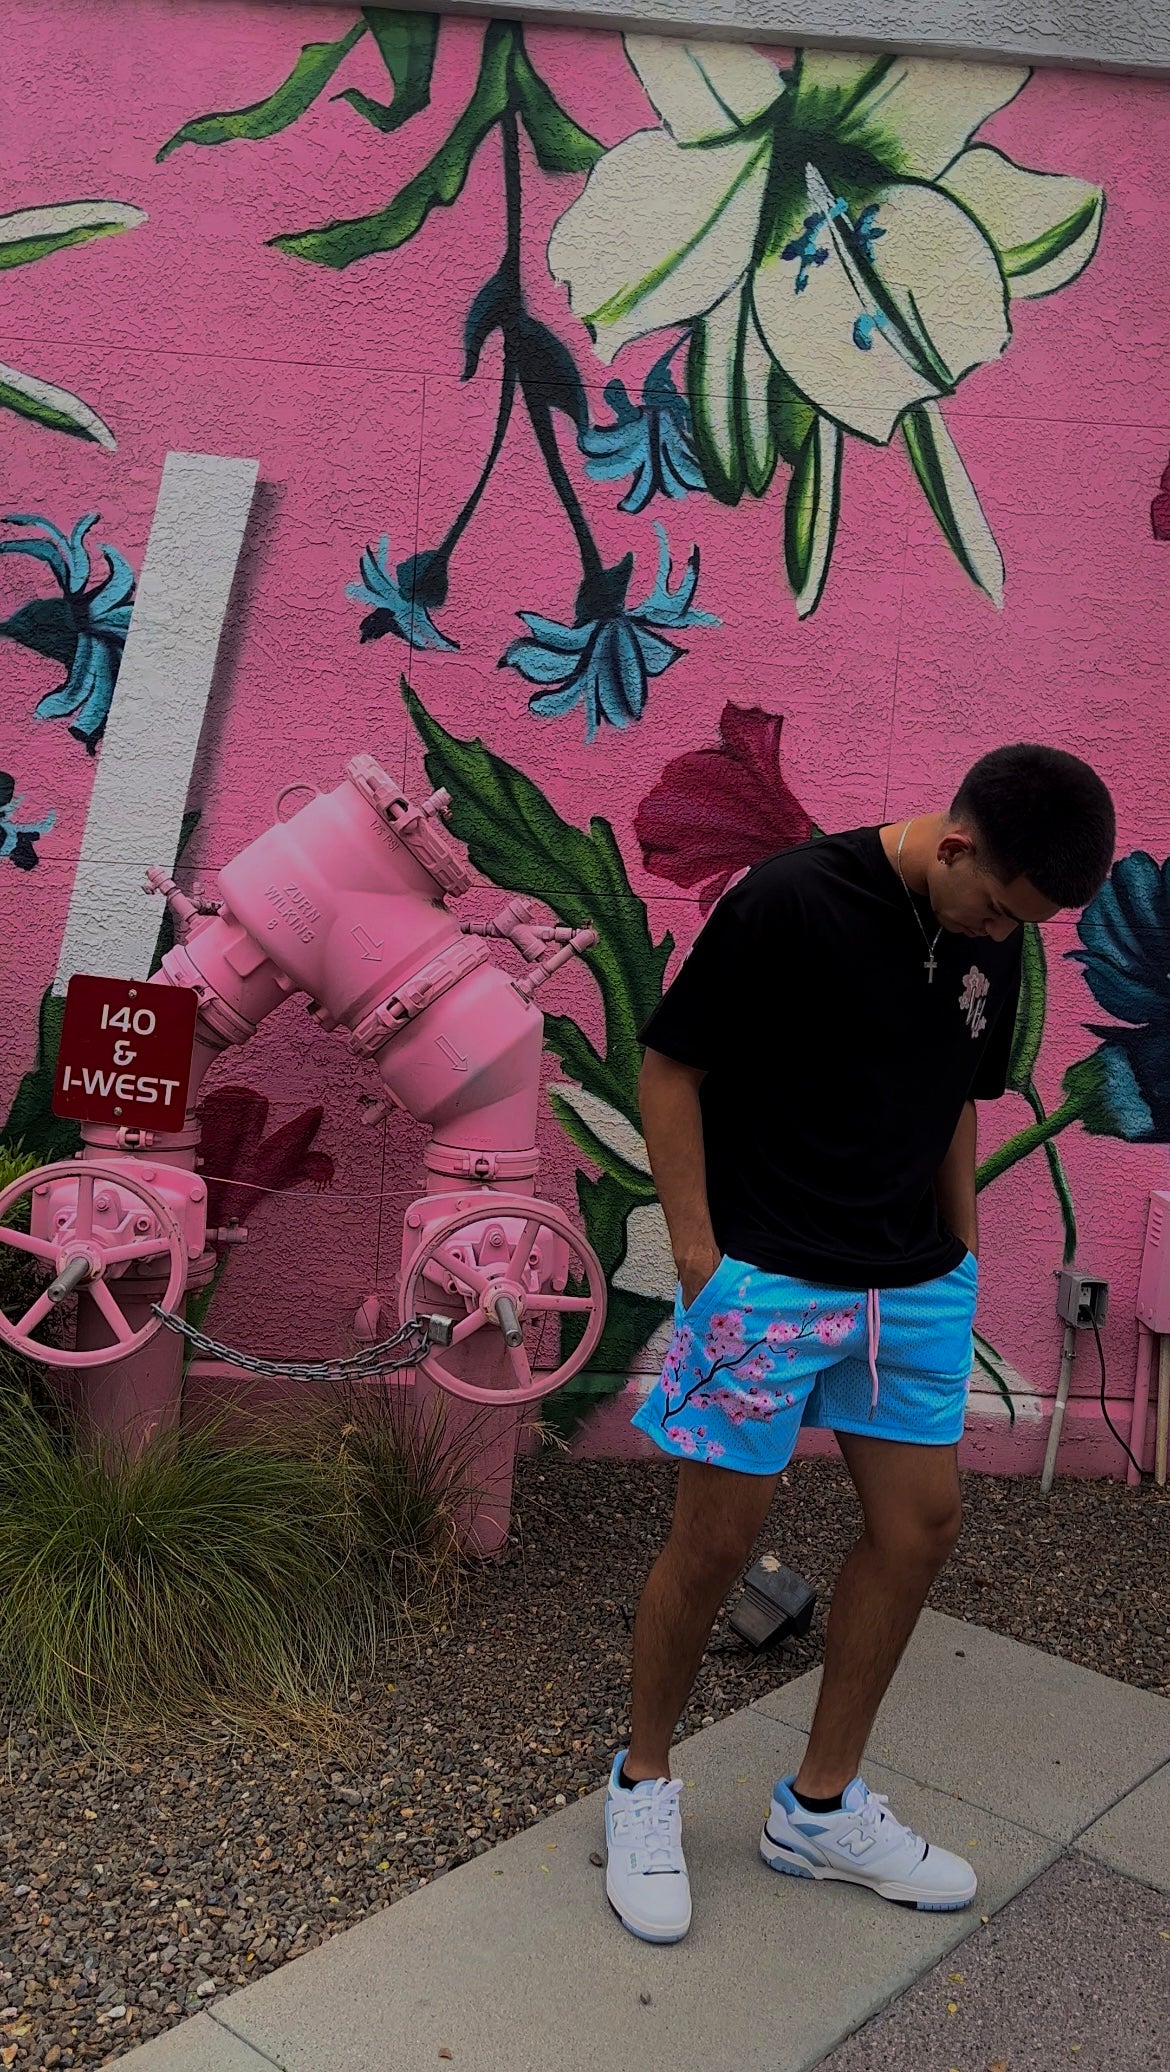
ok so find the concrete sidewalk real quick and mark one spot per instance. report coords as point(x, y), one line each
point(1034, 1769)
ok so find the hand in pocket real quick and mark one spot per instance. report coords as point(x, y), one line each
point(697, 1275)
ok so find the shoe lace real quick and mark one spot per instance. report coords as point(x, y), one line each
point(654, 1817)
point(875, 1820)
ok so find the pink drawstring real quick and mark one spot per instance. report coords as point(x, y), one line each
point(873, 1338)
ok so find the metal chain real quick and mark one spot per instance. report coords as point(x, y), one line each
point(405, 1349)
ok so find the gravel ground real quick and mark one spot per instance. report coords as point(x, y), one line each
point(1075, 1972)
point(130, 1896)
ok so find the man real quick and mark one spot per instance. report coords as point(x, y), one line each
point(808, 1098)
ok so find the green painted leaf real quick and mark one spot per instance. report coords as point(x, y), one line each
point(517, 839)
point(440, 182)
point(793, 417)
point(582, 1063)
point(309, 77)
point(407, 43)
point(26, 251)
point(987, 1358)
point(1087, 1090)
point(719, 452)
point(31, 1122)
point(639, 1187)
point(1053, 243)
point(560, 144)
point(1029, 1029)
point(811, 510)
point(951, 495)
point(54, 408)
point(759, 460)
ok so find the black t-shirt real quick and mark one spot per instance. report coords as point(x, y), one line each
point(836, 1071)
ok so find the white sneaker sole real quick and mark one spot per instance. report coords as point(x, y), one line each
point(779, 1858)
point(646, 1931)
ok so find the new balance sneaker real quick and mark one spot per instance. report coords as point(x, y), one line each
point(646, 1879)
point(864, 1844)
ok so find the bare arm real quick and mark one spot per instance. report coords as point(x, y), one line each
point(955, 1182)
point(668, 1095)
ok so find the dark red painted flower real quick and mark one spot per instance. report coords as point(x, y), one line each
point(714, 811)
point(243, 1165)
point(1160, 508)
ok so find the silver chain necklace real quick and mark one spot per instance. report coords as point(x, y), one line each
point(931, 964)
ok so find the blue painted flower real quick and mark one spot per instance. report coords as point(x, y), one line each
point(653, 441)
point(17, 839)
point(403, 602)
point(1125, 1086)
point(85, 629)
point(604, 661)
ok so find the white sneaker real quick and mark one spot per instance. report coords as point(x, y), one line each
point(646, 1879)
point(864, 1844)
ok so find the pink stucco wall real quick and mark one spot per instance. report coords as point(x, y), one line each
point(190, 330)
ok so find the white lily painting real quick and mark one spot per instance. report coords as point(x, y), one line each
point(29, 235)
point(840, 250)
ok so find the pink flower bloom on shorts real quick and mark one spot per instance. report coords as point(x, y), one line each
point(725, 1336)
point(713, 1450)
point(678, 1353)
point(683, 1438)
point(835, 1326)
point(782, 1331)
point(757, 1368)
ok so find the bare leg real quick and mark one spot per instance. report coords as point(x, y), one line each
point(717, 1515)
point(911, 1505)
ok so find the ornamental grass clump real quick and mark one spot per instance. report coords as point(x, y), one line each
point(215, 1574)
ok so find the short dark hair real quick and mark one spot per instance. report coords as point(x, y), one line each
point(1040, 814)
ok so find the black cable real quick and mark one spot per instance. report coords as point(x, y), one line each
point(1143, 1473)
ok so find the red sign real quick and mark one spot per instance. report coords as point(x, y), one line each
point(125, 1053)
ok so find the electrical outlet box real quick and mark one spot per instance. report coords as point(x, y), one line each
point(1082, 1299)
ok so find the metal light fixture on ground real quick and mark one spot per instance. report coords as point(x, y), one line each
point(776, 1605)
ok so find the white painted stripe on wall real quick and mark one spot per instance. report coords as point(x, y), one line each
point(148, 750)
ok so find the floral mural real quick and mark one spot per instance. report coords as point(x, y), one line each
point(721, 445)
point(832, 248)
point(84, 628)
point(842, 254)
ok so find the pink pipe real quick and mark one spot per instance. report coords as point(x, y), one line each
point(1141, 1404)
point(343, 902)
point(347, 902)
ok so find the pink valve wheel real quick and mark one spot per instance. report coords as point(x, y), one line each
point(502, 1298)
point(80, 1260)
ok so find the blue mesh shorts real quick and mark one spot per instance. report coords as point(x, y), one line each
point(757, 1355)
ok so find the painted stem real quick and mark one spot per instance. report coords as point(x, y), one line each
point(1027, 1141)
point(1059, 1176)
point(503, 417)
point(510, 265)
point(539, 412)
point(546, 438)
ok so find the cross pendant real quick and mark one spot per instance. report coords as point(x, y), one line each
point(930, 967)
